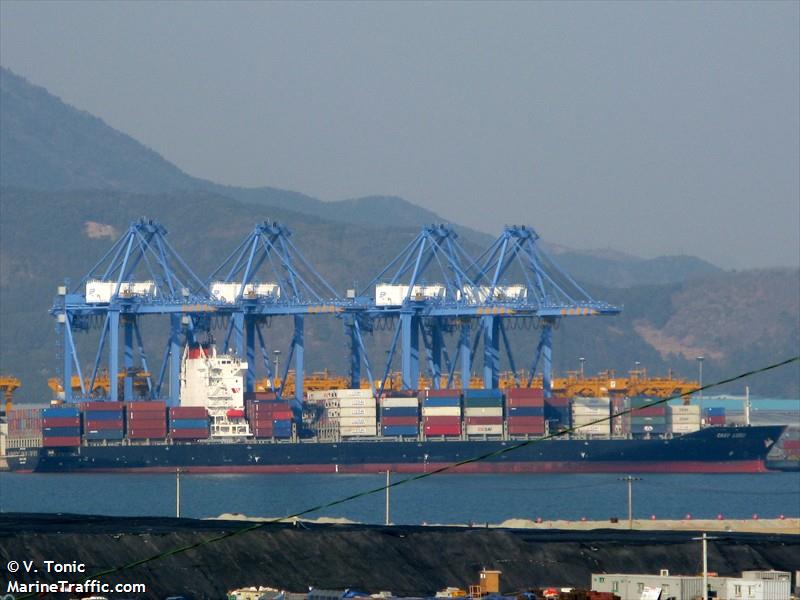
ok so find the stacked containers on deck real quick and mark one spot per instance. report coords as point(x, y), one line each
point(188, 423)
point(61, 426)
point(620, 425)
point(357, 412)
point(147, 420)
point(483, 412)
point(400, 415)
point(25, 423)
point(683, 419)
point(441, 412)
point(588, 410)
point(103, 420)
point(268, 415)
point(556, 413)
point(318, 416)
point(525, 409)
point(647, 419)
point(714, 415)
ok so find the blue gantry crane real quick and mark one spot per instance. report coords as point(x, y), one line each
point(266, 276)
point(518, 278)
point(141, 274)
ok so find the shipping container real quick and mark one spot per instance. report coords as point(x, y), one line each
point(527, 392)
point(356, 402)
point(524, 401)
point(525, 430)
point(400, 421)
point(57, 422)
point(188, 412)
point(714, 411)
point(533, 421)
point(483, 412)
point(483, 420)
point(449, 393)
point(650, 411)
point(442, 401)
point(791, 444)
point(106, 415)
point(102, 406)
point(676, 419)
point(442, 420)
point(188, 434)
point(685, 409)
point(103, 425)
point(526, 411)
point(152, 434)
point(363, 411)
point(61, 431)
point(483, 401)
point(441, 411)
point(59, 442)
point(407, 430)
point(400, 411)
point(483, 393)
point(447, 430)
point(484, 429)
point(400, 402)
point(104, 434)
point(61, 411)
point(345, 422)
point(358, 431)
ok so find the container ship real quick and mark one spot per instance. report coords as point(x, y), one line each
point(219, 428)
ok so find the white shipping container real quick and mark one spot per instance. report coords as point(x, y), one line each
point(597, 413)
point(484, 429)
point(400, 402)
point(352, 393)
point(598, 429)
point(356, 402)
point(675, 419)
point(332, 413)
point(357, 431)
point(358, 411)
point(441, 411)
point(685, 428)
point(691, 409)
point(483, 411)
point(345, 422)
point(330, 403)
point(590, 402)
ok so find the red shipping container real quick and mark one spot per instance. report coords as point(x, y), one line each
point(102, 425)
point(188, 434)
point(525, 429)
point(148, 416)
point(650, 411)
point(152, 406)
point(61, 422)
point(716, 420)
point(102, 406)
point(405, 421)
point(442, 430)
point(528, 392)
point(58, 442)
point(133, 430)
point(442, 420)
point(188, 412)
point(529, 421)
point(791, 444)
point(260, 395)
point(484, 420)
point(524, 401)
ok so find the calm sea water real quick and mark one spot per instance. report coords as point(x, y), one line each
point(440, 499)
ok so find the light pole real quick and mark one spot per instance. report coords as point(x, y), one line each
point(704, 538)
point(636, 364)
point(387, 497)
point(630, 481)
point(178, 493)
point(700, 360)
point(583, 360)
point(277, 354)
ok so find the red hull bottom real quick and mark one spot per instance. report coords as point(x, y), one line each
point(751, 466)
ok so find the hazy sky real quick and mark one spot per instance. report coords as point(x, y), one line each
point(653, 128)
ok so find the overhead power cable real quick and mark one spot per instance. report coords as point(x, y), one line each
point(437, 471)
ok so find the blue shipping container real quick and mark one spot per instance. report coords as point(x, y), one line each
point(105, 434)
point(525, 411)
point(103, 415)
point(454, 401)
point(400, 411)
point(62, 411)
point(61, 431)
point(399, 430)
point(188, 423)
point(715, 411)
point(485, 393)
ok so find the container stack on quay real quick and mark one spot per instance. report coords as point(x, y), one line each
point(646, 419)
point(188, 423)
point(714, 415)
point(147, 420)
point(441, 413)
point(683, 419)
point(585, 411)
point(103, 421)
point(400, 415)
point(267, 415)
point(525, 408)
point(61, 426)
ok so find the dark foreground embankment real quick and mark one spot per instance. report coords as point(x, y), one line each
point(405, 560)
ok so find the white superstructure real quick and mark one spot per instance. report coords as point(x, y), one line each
point(215, 381)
